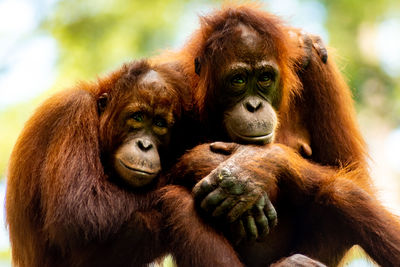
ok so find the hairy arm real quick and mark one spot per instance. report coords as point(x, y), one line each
point(341, 196)
point(56, 186)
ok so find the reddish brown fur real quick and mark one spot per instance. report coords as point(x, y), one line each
point(63, 208)
point(320, 112)
point(322, 211)
point(277, 43)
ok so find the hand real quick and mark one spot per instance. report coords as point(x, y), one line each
point(308, 42)
point(230, 197)
point(254, 224)
point(298, 260)
point(319, 45)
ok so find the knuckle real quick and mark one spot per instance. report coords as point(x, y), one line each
point(204, 186)
point(224, 172)
point(227, 183)
point(237, 189)
point(272, 215)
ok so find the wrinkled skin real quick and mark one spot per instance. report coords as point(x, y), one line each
point(226, 195)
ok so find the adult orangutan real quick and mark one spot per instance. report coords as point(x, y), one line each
point(83, 189)
point(241, 63)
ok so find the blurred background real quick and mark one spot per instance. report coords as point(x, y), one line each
point(47, 45)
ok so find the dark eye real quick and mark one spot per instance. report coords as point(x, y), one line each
point(238, 79)
point(265, 77)
point(160, 122)
point(138, 116)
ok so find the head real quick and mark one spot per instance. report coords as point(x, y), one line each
point(138, 111)
point(245, 73)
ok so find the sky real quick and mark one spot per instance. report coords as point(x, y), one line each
point(27, 57)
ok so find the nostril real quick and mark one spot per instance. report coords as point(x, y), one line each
point(253, 105)
point(249, 107)
point(144, 145)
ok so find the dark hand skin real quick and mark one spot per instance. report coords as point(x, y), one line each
point(237, 199)
point(319, 45)
point(307, 42)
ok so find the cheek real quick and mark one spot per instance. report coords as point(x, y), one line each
point(276, 96)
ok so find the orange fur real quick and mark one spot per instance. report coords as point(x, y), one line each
point(64, 204)
point(322, 211)
point(317, 110)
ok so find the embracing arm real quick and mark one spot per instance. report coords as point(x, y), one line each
point(57, 192)
point(341, 196)
point(197, 163)
point(190, 240)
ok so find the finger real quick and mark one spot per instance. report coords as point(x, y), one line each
point(307, 44)
point(228, 181)
point(234, 186)
point(305, 150)
point(225, 207)
point(320, 47)
point(205, 186)
point(213, 199)
point(250, 227)
point(238, 210)
point(270, 212)
point(223, 148)
point(261, 220)
point(237, 232)
point(222, 174)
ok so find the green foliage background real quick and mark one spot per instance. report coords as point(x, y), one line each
point(95, 36)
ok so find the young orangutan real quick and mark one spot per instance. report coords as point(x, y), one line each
point(83, 189)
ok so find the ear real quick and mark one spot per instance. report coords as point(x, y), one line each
point(197, 66)
point(102, 103)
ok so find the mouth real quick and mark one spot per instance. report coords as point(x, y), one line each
point(252, 139)
point(136, 170)
point(265, 138)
